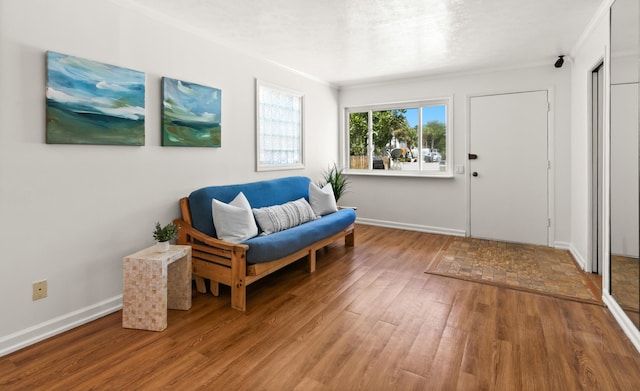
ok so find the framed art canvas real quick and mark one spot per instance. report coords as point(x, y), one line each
point(90, 102)
point(191, 114)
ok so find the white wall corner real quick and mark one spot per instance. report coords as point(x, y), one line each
point(29, 336)
point(574, 252)
point(601, 12)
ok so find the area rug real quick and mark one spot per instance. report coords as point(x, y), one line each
point(529, 268)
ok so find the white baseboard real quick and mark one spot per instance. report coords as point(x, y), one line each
point(623, 320)
point(562, 245)
point(39, 332)
point(578, 257)
point(411, 227)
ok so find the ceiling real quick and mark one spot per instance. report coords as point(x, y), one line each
point(345, 42)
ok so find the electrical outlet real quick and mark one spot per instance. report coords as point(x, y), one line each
point(39, 290)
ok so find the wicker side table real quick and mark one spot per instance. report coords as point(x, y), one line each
point(154, 282)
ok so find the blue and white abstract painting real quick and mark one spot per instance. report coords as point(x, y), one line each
point(191, 114)
point(93, 103)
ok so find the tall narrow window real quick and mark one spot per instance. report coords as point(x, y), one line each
point(405, 139)
point(279, 128)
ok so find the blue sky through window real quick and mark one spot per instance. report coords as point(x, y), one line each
point(429, 113)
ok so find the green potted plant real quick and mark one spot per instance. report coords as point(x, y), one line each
point(163, 235)
point(337, 179)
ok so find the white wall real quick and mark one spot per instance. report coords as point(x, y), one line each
point(586, 56)
point(70, 213)
point(440, 204)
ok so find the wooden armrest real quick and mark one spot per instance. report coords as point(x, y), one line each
point(186, 229)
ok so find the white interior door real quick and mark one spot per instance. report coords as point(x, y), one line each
point(508, 183)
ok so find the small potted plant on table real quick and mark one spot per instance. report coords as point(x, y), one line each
point(163, 235)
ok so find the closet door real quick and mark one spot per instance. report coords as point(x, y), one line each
point(624, 157)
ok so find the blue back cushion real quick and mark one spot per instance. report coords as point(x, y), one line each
point(259, 194)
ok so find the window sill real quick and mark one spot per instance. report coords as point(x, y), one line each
point(400, 173)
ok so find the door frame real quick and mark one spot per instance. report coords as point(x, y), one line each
point(550, 156)
point(596, 196)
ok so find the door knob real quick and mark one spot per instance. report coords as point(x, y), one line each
point(475, 173)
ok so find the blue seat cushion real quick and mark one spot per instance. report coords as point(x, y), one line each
point(280, 244)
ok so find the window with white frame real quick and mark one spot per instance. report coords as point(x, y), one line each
point(402, 138)
point(279, 127)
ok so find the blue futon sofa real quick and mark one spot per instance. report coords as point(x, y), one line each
point(239, 264)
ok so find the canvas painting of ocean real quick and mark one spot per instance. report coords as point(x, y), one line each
point(191, 114)
point(93, 103)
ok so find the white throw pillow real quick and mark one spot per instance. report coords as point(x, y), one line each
point(322, 200)
point(280, 217)
point(234, 221)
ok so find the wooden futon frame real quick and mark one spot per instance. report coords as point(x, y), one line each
point(225, 263)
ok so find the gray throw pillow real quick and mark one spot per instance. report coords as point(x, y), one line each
point(280, 217)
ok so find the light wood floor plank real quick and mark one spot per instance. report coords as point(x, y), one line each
point(359, 367)
point(408, 381)
point(445, 368)
point(419, 358)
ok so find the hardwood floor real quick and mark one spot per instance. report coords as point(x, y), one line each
point(368, 319)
